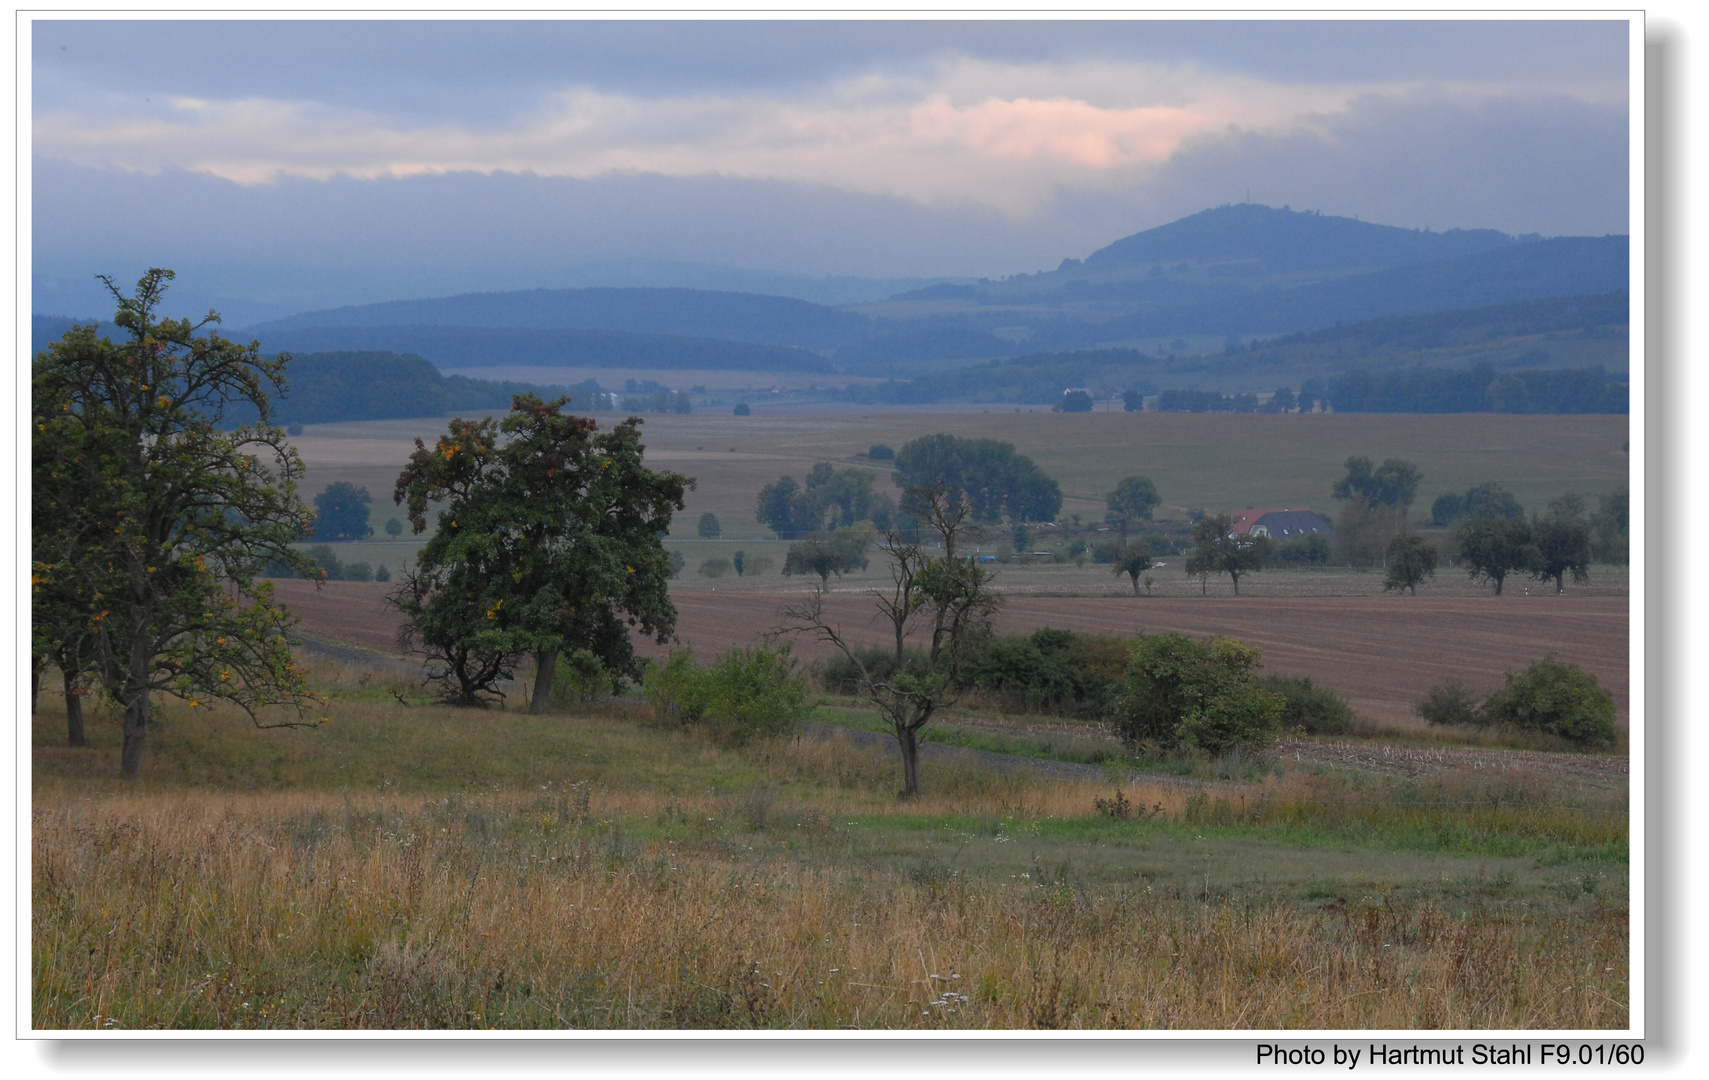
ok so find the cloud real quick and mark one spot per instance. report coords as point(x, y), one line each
point(1008, 135)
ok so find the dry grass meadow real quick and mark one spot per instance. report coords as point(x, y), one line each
point(422, 867)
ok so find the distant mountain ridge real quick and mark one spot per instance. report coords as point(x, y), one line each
point(768, 320)
point(1287, 240)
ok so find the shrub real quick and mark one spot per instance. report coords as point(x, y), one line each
point(327, 559)
point(381, 574)
point(1557, 698)
point(839, 674)
point(1449, 704)
point(358, 571)
point(1182, 692)
point(1056, 672)
point(741, 409)
point(709, 529)
point(880, 452)
point(1316, 710)
point(716, 567)
point(747, 694)
point(293, 428)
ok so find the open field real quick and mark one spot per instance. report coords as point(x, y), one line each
point(429, 867)
point(1382, 652)
point(1214, 461)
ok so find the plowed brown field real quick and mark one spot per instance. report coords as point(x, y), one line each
point(1383, 653)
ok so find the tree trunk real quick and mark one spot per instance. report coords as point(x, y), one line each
point(35, 687)
point(1236, 579)
point(1135, 584)
point(545, 664)
point(1497, 586)
point(905, 738)
point(136, 733)
point(73, 714)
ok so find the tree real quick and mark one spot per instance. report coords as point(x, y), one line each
point(341, 512)
point(1133, 559)
point(709, 528)
point(1281, 401)
point(1490, 500)
point(1411, 559)
point(1076, 401)
point(394, 528)
point(1392, 484)
point(997, 482)
point(779, 509)
point(1492, 548)
point(1133, 401)
point(1133, 500)
point(549, 541)
point(155, 522)
point(839, 553)
point(947, 596)
point(1185, 692)
point(1609, 527)
point(1563, 546)
point(1217, 549)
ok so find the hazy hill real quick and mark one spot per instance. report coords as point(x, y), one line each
point(697, 313)
point(1565, 266)
point(1287, 240)
point(472, 346)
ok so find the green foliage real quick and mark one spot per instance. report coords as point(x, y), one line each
point(1492, 548)
point(741, 409)
point(1394, 483)
point(1218, 550)
point(841, 673)
point(1054, 672)
point(1076, 401)
point(1411, 559)
point(1609, 527)
point(381, 574)
point(715, 567)
point(1134, 498)
point(1486, 500)
point(341, 512)
point(150, 522)
point(548, 542)
point(997, 482)
point(833, 498)
point(1556, 698)
point(1316, 710)
point(1563, 546)
point(1449, 704)
point(1133, 559)
point(394, 528)
point(709, 529)
point(825, 554)
point(881, 452)
point(746, 694)
point(1182, 692)
point(358, 571)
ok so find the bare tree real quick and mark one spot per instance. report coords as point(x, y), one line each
point(946, 598)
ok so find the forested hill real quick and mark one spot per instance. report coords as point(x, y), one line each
point(1543, 269)
point(694, 313)
point(472, 347)
point(1285, 240)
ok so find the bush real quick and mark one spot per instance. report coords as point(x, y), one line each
point(293, 428)
point(324, 557)
point(880, 452)
point(1316, 710)
point(1201, 694)
point(747, 694)
point(716, 567)
point(839, 674)
point(741, 409)
point(1449, 704)
point(709, 529)
point(358, 571)
point(1055, 672)
point(1557, 698)
point(381, 574)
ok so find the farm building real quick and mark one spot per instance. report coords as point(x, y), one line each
point(1283, 524)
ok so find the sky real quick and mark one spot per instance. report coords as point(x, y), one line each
point(287, 165)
